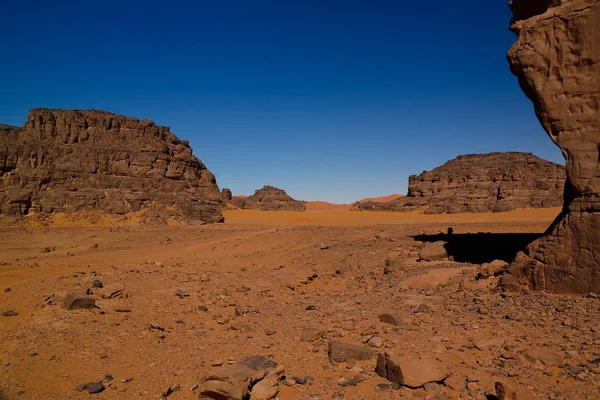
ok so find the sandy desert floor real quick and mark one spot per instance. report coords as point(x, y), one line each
point(283, 272)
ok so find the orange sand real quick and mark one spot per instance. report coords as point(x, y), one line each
point(382, 199)
point(362, 218)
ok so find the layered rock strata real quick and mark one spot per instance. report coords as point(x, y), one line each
point(269, 198)
point(74, 160)
point(478, 183)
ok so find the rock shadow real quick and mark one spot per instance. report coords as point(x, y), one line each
point(482, 247)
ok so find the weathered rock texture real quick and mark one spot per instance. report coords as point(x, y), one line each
point(226, 194)
point(71, 160)
point(493, 182)
point(269, 198)
point(557, 60)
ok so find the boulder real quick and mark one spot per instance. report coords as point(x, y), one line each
point(342, 352)
point(237, 382)
point(413, 374)
point(494, 268)
point(435, 251)
point(74, 301)
point(506, 391)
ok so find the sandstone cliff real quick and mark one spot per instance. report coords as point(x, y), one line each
point(269, 198)
point(72, 160)
point(493, 182)
point(557, 60)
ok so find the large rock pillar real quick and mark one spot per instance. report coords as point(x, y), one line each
point(557, 60)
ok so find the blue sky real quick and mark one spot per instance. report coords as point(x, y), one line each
point(329, 99)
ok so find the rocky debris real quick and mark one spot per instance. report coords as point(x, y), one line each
point(181, 293)
point(413, 374)
point(557, 60)
point(10, 313)
point(269, 198)
point(310, 334)
point(74, 301)
point(342, 352)
point(226, 194)
point(544, 356)
point(112, 291)
point(255, 378)
point(97, 284)
point(494, 182)
point(435, 251)
point(76, 160)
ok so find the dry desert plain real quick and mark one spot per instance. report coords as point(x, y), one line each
point(195, 297)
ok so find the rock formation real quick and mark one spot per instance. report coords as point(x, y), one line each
point(71, 160)
point(557, 60)
point(226, 194)
point(269, 198)
point(493, 182)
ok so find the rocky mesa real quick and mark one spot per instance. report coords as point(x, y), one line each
point(269, 198)
point(494, 182)
point(80, 160)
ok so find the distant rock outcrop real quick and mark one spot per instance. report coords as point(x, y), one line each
point(269, 198)
point(494, 182)
point(74, 160)
point(226, 194)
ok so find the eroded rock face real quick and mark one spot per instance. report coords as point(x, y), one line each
point(493, 182)
point(269, 198)
point(226, 194)
point(557, 60)
point(71, 160)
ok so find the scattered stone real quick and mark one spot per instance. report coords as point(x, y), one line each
point(111, 291)
point(391, 319)
point(456, 382)
point(97, 284)
point(203, 308)
point(122, 309)
point(435, 251)
point(323, 246)
point(159, 264)
point(181, 294)
point(94, 387)
point(10, 313)
point(413, 374)
point(375, 341)
point(432, 387)
point(345, 382)
point(80, 388)
point(239, 311)
point(544, 356)
point(74, 301)
point(310, 334)
point(342, 352)
point(270, 332)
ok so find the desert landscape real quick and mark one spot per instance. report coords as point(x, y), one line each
point(179, 301)
point(126, 271)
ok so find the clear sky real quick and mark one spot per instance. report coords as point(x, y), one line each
point(330, 100)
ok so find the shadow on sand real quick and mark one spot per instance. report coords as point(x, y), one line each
point(478, 248)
